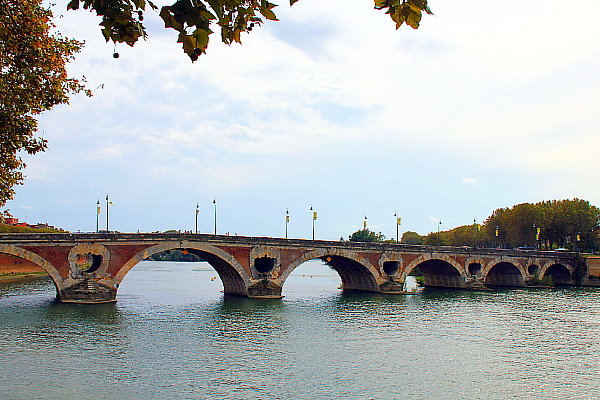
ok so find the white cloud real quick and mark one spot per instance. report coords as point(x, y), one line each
point(317, 108)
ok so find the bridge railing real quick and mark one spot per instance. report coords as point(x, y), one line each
point(64, 238)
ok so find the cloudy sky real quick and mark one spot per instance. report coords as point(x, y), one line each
point(487, 105)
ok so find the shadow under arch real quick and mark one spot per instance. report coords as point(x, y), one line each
point(504, 273)
point(356, 273)
point(234, 277)
point(35, 259)
point(560, 274)
point(438, 270)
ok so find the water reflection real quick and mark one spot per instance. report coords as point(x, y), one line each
point(173, 334)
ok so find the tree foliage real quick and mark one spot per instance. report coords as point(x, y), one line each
point(572, 224)
point(33, 79)
point(367, 235)
point(410, 237)
point(194, 20)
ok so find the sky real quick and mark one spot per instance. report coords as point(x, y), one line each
point(486, 105)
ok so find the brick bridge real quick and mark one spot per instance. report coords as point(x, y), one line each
point(88, 268)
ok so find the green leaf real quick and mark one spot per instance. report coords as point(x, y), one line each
point(217, 8)
point(413, 19)
point(170, 21)
point(379, 4)
point(201, 37)
point(188, 44)
point(420, 4)
point(268, 14)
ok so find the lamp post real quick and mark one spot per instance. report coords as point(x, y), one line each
point(537, 236)
point(107, 203)
point(98, 216)
point(215, 203)
point(476, 231)
point(497, 245)
point(287, 221)
point(365, 222)
point(438, 235)
point(314, 218)
point(197, 212)
point(398, 221)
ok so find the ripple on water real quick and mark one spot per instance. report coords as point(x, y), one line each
point(172, 334)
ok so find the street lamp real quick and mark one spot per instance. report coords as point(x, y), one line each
point(98, 216)
point(365, 222)
point(314, 218)
point(398, 221)
point(538, 230)
point(215, 203)
point(439, 241)
point(497, 244)
point(197, 212)
point(107, 203)
point(287, 221)
point(476, 231)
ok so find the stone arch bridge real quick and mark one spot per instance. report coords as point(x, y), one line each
point(88, 268)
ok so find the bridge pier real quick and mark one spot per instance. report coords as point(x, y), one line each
point(392, 286)
point(265, 289)
point(87, 291)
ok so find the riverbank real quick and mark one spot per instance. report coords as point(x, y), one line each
point(22, 276)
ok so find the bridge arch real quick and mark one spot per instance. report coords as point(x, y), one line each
point(561, 274)
point(438, 270)
point(500, 272)
point(36, 259)
point(234, 277)
point(356, 272)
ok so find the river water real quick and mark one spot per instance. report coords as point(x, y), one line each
point(173, 335)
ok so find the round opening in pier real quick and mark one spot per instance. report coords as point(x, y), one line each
point(264, 264)
point(89, 262)
point(391, 267)
point(474, 268)
point(532, 269)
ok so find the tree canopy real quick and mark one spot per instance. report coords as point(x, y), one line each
point(367, 235)
point(572, 224)
point(410, 237)
point(33, 79)
point(122, 20)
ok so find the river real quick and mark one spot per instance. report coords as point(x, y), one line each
point(173, 335)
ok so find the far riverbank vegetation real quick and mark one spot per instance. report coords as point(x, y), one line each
point(570, 225)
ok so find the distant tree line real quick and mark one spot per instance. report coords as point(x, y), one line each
point(367, 235)
point(175, 255)
point(548, 225)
